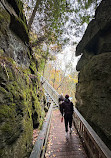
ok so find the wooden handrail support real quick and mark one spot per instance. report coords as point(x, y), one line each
point(50, 90)
point(94, 145)
point(40, 145)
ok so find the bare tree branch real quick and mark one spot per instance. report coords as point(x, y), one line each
point(33, 14)
point(39, 41)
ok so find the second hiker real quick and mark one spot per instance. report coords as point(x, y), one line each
point(60, 101)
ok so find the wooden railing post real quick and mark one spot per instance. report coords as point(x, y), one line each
point(94, 145)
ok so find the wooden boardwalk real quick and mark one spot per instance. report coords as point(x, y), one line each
point(60, 147)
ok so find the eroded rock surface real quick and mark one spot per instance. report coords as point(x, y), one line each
point(20, 93)
point(94, 87)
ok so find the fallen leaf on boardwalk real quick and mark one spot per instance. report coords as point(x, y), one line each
point(46, 154)
point(79, 149)
point(35, 135)
point(54, 155)
point(57, 142)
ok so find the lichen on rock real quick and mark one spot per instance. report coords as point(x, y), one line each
point(20, 94)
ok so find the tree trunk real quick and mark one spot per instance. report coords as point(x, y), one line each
point(33, 14)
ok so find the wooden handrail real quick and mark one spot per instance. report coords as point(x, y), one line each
point(94, 145)
point(50, 90)
point(40, 144)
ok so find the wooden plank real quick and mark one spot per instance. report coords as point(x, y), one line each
point(58, 145)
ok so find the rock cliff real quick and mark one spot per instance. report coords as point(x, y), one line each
point(94, 86)
point(20, 93)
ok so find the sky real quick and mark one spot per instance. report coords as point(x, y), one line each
point(67, 57)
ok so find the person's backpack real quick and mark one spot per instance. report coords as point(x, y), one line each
point(68, 108)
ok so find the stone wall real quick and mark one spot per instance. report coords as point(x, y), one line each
point(94, 86)
point(20, 93)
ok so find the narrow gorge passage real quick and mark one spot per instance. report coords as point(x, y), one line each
point(60, 147)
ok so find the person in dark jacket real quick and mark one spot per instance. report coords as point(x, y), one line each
point(60, 101)
point(67, 112)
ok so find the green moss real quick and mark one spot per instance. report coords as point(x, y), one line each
point(33, 67)
point(1, 18)
point(41, 64)
point(29, 55)
point(4, 22)
point(18, 7)
point(4, 112)
point(2, 90)
point(41, 119)
point(17, 89)
point(11, 126)
point(19, 101)
point(1, 52)
point(4, 17)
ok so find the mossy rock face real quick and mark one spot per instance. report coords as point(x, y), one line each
point(20, 110)
point(21, 106)
point(18, 23)
point(94, 83)
point(94, 95)
point(13, 35)
point(18, 7)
